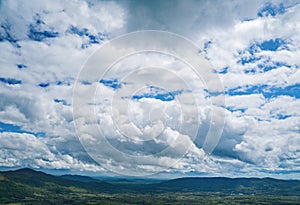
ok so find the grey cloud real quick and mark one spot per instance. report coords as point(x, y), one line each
point(188, 18)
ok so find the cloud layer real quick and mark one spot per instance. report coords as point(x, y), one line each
point(254, 47)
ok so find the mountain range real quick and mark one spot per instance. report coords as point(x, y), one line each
point(34, 187)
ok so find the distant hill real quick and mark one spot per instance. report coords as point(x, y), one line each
point(34, 178)
point(27, 185)
point(233, 185)
point(79, 178)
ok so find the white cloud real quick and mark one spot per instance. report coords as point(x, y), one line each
point(26, 150)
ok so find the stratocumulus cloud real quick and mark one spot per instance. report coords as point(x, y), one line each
point(253, 46)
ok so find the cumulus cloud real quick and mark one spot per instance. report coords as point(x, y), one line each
point(18, 150)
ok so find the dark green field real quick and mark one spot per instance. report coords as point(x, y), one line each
point(79, 197)
point(30, 187)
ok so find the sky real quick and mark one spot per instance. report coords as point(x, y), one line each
point(63, 109)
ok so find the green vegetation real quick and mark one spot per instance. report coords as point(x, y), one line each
point(30, 187)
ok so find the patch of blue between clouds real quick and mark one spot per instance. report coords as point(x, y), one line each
point(85, 82)
point(246, 60)
point(272, 45)
point(266, 91)
point(251, 50)
point(223, 70)
point(206, 45)
point(210, 93)
point(231, 109)
point(36, 34)
point(278, 116)
point(21, 66)
point(282, 116)
point(5, 127)
point(63, 82)
point(275, 65)
point(10, 81)
point(255, 48)
point(92, 38)
point(270, 9)
point(64, 102)
point(36, 31)
point(58, 82)
point(112, 83)
point(158, 94)
point(267, 66)
point(44, 85)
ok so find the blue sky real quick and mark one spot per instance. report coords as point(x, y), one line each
point(253, 46)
